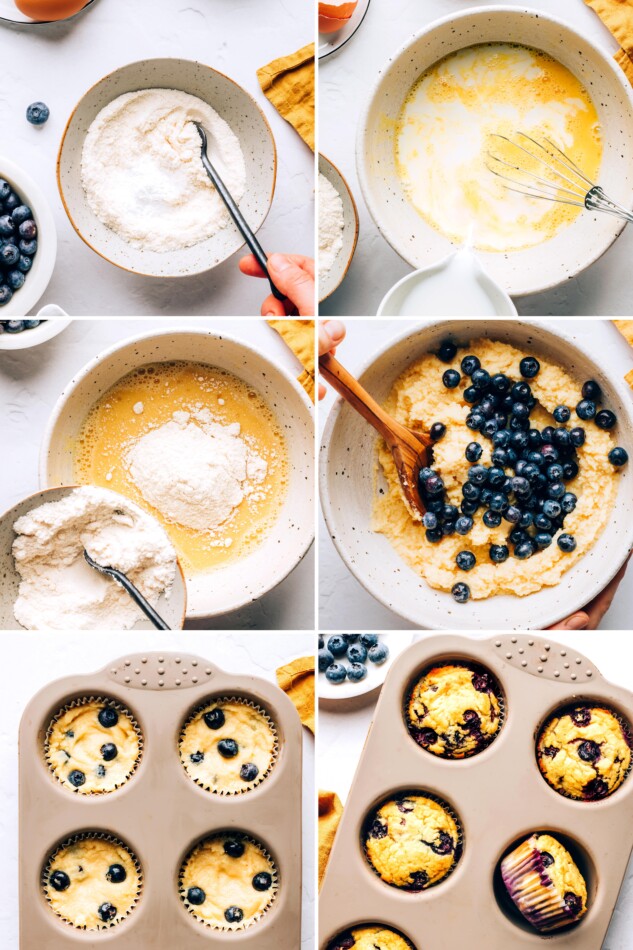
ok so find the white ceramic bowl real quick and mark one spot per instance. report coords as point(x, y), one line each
point(232, 102)
point(218, 592)
point(28, 338)
point(347, 693)
point(335, 277)
point(172, 609)
point(38, 278)
point(575, 247)
point(347, 486)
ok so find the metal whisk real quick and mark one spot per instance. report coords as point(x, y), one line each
point(565, 184)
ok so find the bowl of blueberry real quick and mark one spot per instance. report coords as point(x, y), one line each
point(28, 241)
point(354, 664)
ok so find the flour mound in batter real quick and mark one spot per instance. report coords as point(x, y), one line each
point(142, 174)
point(194, 471)
point(331, 226)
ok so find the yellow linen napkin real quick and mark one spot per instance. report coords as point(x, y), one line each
point(617, 16)
point(330, 813)
point(299, 336)
point(289, 84)
point(626, 329)
point(297, 681)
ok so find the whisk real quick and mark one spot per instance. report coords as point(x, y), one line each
point(562, 181)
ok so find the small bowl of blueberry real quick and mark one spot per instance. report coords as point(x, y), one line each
point(28, 241)
point(354, 664)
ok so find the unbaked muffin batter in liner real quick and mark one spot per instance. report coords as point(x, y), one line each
point(500, 797)
point(159, 815)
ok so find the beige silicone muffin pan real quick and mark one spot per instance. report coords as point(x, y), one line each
point(499, 797)
point(160, 813)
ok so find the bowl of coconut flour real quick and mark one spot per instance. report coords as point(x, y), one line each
point(338, 228)
point(49, 586)
point(130, 175)
point(208, 436)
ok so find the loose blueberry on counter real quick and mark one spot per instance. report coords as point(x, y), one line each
point(337, 645)
point(447, 351)
point(378, 654)
point(234, 915)
point(263, 881)
point(591, 390)
point(228, 748)
point(586, 409)
point(249, 772)
point(356, 672)
point(77, 778)
point(566, 543)
point(451, 379)
point(37, 113)
point(197, 757)
point(116, 874)
point(107, 912)
point(465, 560)
point(59, 881)
point(529, 367)
point(618, 456)
point(437, 432)
point(108, 717)
point(325, 660)
point(499, 553)
point(214, 718)
point(336, 673)
point(357, 653)
point(196, 896)
point(606, 419)
point(109, 751)
point(234, 848)
point(461, 592)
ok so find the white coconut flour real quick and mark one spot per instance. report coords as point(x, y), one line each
point(331, 225)
point(59, 591)
point(195, 471)
point(142, 174)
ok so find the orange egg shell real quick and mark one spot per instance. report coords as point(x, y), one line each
point(49, 9)
point(334, 16)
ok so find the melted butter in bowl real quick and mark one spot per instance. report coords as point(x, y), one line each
point(445, 132)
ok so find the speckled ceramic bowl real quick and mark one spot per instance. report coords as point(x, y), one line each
point(172, 609)
point(575, 247)
point(232, 102)
point(347, 487)
point(245, 580)
point(336, 275)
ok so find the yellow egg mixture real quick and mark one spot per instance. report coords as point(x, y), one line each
point(445, 133)
point(147, 399)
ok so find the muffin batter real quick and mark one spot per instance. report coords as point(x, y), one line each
point(228, 747)
point(228, 882)
point(92, 883)
point(412, 842)
point(92, 747)
point(454, 711)
point(370, 938)
point(584, 753)
point(544, 883)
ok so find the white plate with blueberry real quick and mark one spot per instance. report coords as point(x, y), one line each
point(354, 664)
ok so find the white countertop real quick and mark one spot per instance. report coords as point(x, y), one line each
point(59, 63)
point(344, 604)
point(31, 380)
point(346, 79)
point(54, 656)
point(342, 737)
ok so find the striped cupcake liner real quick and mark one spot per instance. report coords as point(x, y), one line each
point(532, 891)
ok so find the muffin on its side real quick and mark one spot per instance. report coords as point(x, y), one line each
point(412, 842)
point(370, 938)
point(584, 753)
point(544, 883)
point(455, 710)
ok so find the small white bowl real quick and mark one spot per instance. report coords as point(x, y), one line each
point(172, 609)
point(576, 246)
point(38, 278)
point(28, 338)
point(239, 583)
point(335, 277)
point(347, 489)
point(232, 102)
point(331, 694)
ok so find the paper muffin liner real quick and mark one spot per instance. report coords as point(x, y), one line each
point(531, 889)
point(91, 836)
point(475, 667)
point(565, 710)
point(248, 786)
point(341, 941)
point(82, 701)
point(244, 924)
point(415, 793)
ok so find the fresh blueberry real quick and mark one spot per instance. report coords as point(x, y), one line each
point(471, 395)
point(234, 915)
point(618, 456)
point(197, 757)
point(568, 502)
point(570, 470)
point(262, 881)
point(28, 247)
point(378, 654)
point(109, 752)
point(566, 543)
point(196, 896)
point(492, 519)
point(234, 848)
point(451, 379)
point(228, 748)
point(551, 508)
point(108, 717)
point(556, 490)
point(356, 672)
point(512, 514)
point(12, 202)
point(562, 414)
point(542, 522)
point(25, 263)
point(447, 351)
point(577, 436)
point(107, 912)
point(500, 383)
point(37, 113)
point(461, 592)
point(475, 421)
point(77, 778)
point(468, 508)
point(9, 255)
point(27, 230)
point(499, 553)
point(473, 451)
point(589, 751)
point(591, 390)
point(21, 213)
point(337, 645)
point(357, 653)
point(438, 431)
point(463, 525)
point(116, 874)
point(524, 550)
point(249, 772)
point(5, 190)
point(434, 485)
point(15, 280)
point(586, 409)
point(499, 502)
point(59, 881)
point(321, 642)
point(214, 718)
point(369, 639)
point(336, 673)
point(606, 419)
point(529, 367)
point(7, 226)
point(469, 364)
point(430, 520)
point(325, 660)
point(542, 539)
point(481, 379)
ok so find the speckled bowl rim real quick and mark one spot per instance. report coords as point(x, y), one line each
point(330, 166)
point(102, 254)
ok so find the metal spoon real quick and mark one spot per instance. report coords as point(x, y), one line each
point(235, 212)
point(411, 450)
point(133, 591)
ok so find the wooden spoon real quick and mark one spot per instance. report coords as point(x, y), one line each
point(411, 450)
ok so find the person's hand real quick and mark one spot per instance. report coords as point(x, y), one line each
point(590, 617)
point(331, 333)
point(293, 275)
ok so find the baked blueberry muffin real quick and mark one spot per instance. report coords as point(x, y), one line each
point(455, 710)
point(544, 883)
point(584, 753)
point(93, 746)
point(228, 882)
point(228, 746)
point(92, 882)
point(370, 938)
point(412, 842)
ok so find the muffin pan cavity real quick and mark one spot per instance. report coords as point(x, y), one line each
point(500, 799)
point(159, 817)
point(366, 936)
